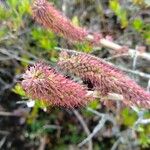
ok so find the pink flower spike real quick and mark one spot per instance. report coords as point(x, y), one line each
point(47, 15)
point(44, 83)
point(105, 78)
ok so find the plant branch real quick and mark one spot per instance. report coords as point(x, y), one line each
point(99, 126)
point(109, 44)
point(87, 131)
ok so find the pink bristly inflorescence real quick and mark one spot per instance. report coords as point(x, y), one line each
point(44, 83)
point(47, 15)
point(105, 78)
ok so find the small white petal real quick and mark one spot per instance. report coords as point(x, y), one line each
point(30, 103)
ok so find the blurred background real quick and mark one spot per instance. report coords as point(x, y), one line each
point(28, 126)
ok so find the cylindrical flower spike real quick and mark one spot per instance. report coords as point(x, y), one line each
point(47, 15)
point(44, 83)
point(105, 78)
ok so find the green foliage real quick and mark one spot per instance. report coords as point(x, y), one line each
point(94, 104)
point(144, 140)
point(75, 138)
point(84, 47)
point(3, 14)
point(44, 39)
point(138, 24)
point(146, 33)
point(75, 20)
point(18, 90)
point(18, 10)
point(129, 117)
point(3, 31)
point(143, 28)
point(120, 12)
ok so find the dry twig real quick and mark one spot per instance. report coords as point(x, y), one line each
point(87, 131)
point(99, 126)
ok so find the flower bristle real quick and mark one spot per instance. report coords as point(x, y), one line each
point(44, 83)
point(105, 78)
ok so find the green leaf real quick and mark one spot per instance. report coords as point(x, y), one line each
point(94, 104)
point(144, 140)
point(18, 90)
point(129, 117)
point(114, 5)
point(41, 104)
point(75, 20)
point(123, 17)
point(120, 12)
point(24, 7)
point(137, 24)
point(12, 3)
point(4, 14)
point(45, 39)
